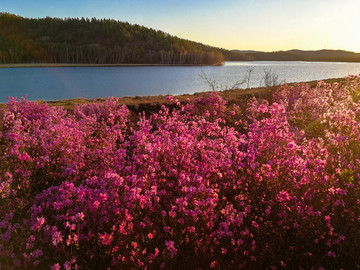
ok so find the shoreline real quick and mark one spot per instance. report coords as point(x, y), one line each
point(51, 65)
point(139, 104)
point(231, 95)
point(58, 65)
point(238, 96)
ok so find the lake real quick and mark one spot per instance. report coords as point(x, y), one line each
point(53, 83)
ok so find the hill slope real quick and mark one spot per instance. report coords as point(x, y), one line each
point(93, 41)
point(299, 55)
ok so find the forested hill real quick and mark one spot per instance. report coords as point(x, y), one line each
point(299, 55)
point(103, 41)
point(96, 41)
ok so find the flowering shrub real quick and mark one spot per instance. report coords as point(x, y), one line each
point(200, 186)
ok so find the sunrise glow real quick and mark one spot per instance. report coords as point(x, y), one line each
point(246, 25)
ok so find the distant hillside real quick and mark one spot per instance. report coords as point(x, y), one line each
point(94, 41)
point(102, 41)
point(299, 55)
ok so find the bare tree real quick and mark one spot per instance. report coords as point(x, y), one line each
point(215, 86)
point(249, 71)
point(270, 78)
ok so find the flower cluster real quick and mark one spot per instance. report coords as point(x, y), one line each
point(202, 185)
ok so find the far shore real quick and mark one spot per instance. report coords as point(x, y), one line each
point(31, 65)
point(50, 65)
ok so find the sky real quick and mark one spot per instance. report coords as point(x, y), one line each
point(264, 25)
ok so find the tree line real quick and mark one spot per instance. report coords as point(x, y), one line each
point(300, 55)
point(96, 41)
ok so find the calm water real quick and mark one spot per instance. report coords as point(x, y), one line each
point(94, 82)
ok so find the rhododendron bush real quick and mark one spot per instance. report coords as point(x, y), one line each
point(201, 185)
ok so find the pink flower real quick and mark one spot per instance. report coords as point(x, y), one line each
point(283, 196)
point(67, 265)
point(331, 254)
point(57, 238)
point(169, 244)
point(96, 204)
point(79, 216)
point(56, 267)
point(39, 223)
point(106, 239)
point(102, 197)
point(170, 247)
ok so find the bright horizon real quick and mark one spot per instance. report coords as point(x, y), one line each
point(260, 25)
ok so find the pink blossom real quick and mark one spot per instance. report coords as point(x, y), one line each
point(101, 183)
point(56, 267)
point(56, 238)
